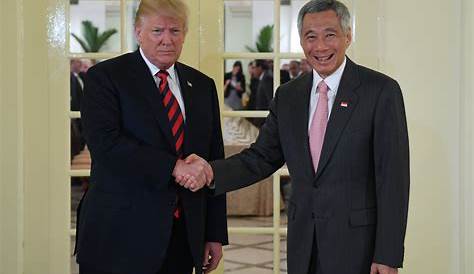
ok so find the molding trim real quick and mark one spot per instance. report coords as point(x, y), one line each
point(11, 141)
point(466, 137)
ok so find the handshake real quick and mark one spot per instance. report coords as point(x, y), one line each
point(193, 173)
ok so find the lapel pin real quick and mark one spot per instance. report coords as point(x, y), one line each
point(344, 104)
point(189, 84)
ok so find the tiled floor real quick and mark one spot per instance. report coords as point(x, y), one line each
point(245, 254)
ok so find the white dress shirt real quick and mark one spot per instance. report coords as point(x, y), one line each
point(332, 81)
point(173, 81)
point(79, 79)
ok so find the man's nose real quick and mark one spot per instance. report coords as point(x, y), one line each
point(166, 38)
point(320, 44)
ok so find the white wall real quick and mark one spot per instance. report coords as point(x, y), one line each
point(262, 14)
point(290, 39)
point(421, 42)
point(237, 28)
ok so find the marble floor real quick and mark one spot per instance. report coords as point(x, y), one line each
point(245, 254)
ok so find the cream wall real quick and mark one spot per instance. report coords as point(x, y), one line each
point(10, 129)
point(426, 45)
point(467, 137)
point(34, 188)
point(421, 50)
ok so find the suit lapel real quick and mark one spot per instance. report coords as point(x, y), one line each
point(146, 87)
point(344, 104)
point(186, 85)
point(300, 110)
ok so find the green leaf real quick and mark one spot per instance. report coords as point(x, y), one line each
point(89, 31)
point(264, 40)
point(81, 42)
point(250, 49)
point(104, 37)
point(93, 40)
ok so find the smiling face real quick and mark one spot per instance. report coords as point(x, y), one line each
point(324, 42)
point(161, 38)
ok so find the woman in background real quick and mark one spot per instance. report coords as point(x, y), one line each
point(234, 86)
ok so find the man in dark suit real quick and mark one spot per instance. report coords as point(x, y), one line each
point(143, 112)
point(264, 90)
point(76, 93)
point(294, 69)
point(342, 132)
point(265, 85)
point(254, 79)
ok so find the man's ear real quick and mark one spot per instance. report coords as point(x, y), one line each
point(349, 37)
point(138, 30)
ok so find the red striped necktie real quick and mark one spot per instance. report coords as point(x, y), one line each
point(175, 117)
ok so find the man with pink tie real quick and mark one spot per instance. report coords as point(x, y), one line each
point(342, 132)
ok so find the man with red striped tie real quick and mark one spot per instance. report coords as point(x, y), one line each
point(143, 113)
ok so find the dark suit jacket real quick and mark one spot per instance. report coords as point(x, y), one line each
point(253, 93)
point(356, 203)
point(77, 140)
point(126, 216)
point(76, 93)
point(263, 97)
point(264, 92)
point(284, 76)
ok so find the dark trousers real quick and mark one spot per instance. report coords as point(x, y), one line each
point(178, 256)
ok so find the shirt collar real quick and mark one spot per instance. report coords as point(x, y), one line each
point(154, 69)
point(333, 80)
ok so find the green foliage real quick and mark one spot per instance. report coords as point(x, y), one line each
point(264, 40)
point(93, 40)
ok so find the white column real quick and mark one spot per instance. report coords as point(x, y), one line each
point(34, 195)
point(467, 138)
point(11, 177)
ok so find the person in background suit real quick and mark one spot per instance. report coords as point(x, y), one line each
point(77, 84)
point(305, 67)
point(85, 65)
point(294, 69)
point(265, 89)
point(143, 113)
point(284, 76)
point(76, 94)
point(342, 132)
point(254, 79)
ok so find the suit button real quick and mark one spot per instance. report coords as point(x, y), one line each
point(172, 203)
point(312, 215)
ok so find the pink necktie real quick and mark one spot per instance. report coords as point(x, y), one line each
point(318, 125)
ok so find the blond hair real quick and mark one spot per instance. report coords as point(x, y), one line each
point(173, 8)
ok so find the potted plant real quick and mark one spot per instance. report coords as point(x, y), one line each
point(264, 40)
point(93, 40)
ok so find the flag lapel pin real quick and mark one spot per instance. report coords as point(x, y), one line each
point(344, 104)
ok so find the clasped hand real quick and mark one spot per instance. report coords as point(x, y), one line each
point(193, 172)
